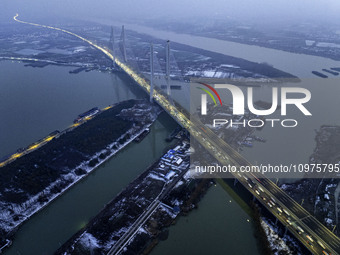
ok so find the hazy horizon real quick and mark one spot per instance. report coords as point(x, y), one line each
point(262, 11)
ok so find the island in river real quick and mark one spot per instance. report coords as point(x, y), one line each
point(32, 181)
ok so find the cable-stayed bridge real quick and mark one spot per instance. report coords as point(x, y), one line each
point(304, 226)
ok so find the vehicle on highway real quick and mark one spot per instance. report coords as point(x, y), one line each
point(272, 203)
point(309, 238)
point(286, 212)
point(299, 230)
point(321, 244)
point(279, 210)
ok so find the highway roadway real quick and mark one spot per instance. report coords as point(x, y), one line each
point(314, 235)
point(298, 216)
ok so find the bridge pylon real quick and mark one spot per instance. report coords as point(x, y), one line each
point(124, 44)
point(112, 45)
point(167, 56)
point(151, 72)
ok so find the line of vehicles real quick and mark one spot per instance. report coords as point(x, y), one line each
point(259, 191)
point(78, 121)
point(270, 202)
point(283, 213)
point(22, 151)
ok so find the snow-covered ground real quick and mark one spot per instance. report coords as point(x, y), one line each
point(276, 243)
point(32, 205)
point(120, 215)
point(279, 245)
point(12, 215)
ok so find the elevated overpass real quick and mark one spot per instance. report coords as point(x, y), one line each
point(305, 227)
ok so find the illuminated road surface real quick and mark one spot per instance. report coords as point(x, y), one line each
point(287, 210)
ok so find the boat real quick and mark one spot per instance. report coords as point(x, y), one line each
point(139, 138)
point(247, 144)
point(319, 74)
point(172, 87)
point(173, 134)
point(54, 133)
point(87, 114)
point(331, 72)
point(335, 69)
point(259, 139)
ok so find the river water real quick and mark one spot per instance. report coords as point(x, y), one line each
point(218, 226)
point(284, 145)
point(45, 231)
point(35, 102)
point(29, 94)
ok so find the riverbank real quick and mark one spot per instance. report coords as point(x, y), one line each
point(319, 191)
point(158, 195)
point(287, 39)
point(195, 62)
point(74, 159)
point(192, 62)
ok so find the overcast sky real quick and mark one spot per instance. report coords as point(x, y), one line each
point(287, 10)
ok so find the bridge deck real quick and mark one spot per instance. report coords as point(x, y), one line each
point(227, 155)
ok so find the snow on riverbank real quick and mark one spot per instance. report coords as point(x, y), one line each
point(12, 215)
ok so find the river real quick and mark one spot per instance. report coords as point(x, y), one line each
point(33, 94)
point(218, 226)
point(34, 103)
point(284, 145)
